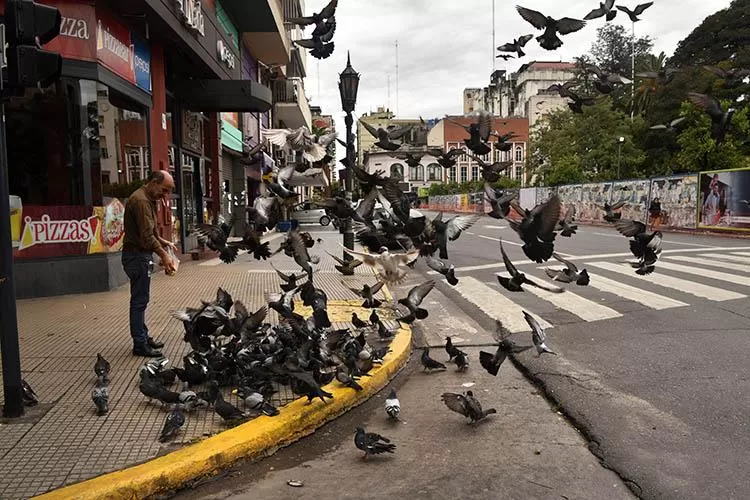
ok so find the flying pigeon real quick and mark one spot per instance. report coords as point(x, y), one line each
point(609, 211)
point(549, 39)
point(491, 362)
point(392, 405)
point(428, 363)
point(537, 335)
point(605, 9)
point(491, 171)
point(578, 101)
point(414, 299)
point(569, 274)
point(345, 267)
point(467, 405)
point(720, 119)
point(669, 127)
point(172, 425)
point(318, 17)
point(605, 81)
point(500, 203)
point(371, 443)
point(449, 271)
point(516, 45)
point(633, 14)
point(566, 226)
point(389, 266)
point(386, 136)
point(517, 278)
point(644, 245)
point(479, 133)
point(732, 77)
point(313, 148)
point(368, 293)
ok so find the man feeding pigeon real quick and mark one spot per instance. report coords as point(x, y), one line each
point(140, 242)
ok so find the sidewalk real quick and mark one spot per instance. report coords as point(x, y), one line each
point(62, 441)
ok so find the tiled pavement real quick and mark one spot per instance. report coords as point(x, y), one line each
point(62, 441)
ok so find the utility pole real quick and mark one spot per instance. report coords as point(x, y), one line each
point(396, 77)
point(493, 37)
point(632, 73)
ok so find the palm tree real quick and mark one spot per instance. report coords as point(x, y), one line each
point(647, 87)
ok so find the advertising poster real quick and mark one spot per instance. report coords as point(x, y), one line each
point(678, 197)
point(593, 198)
point(570, 194)
point(543, 194)
point(57, 231)
point(635, 195)
point(724, 201)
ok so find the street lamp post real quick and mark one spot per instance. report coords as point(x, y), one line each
point(620, 140)
point(348, 86)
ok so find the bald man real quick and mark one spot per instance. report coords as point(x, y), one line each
point(141, 241)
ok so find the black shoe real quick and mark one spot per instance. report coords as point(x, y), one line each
point(147, 352)
point(155, 344)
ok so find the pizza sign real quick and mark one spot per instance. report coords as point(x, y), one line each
point(48, 231)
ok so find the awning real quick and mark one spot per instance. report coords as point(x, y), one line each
point(242, 96)
point(311, 177)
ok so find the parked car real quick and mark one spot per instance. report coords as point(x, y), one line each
point(306, 213)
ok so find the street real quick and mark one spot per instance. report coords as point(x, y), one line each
point(651, 370)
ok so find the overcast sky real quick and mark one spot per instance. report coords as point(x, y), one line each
point(446, 45)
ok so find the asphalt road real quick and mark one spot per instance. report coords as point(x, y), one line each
point(653, 370)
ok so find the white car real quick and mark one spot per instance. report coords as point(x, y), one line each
point(305, 213)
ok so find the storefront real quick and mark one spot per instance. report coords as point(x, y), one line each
point(138, 92)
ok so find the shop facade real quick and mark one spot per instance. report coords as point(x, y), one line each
point(137, 93)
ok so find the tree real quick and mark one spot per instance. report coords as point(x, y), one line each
point(568, 148)
point(722, 36)
point(612, 50)
point(700, 152)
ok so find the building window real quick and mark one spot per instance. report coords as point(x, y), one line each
point(136, 161)
point(433, 172)
point(506, 155)
point(464, 174)
point(416, 173)
point(452, 174)
point(397, 171)
point(519, 173)
point(519, 153)
point(474, 173)
point(170, 154)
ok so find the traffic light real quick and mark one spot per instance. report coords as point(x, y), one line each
point(28, 26)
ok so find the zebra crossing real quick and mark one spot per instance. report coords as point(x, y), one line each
point(613, 284)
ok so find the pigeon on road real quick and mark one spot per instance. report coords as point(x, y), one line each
point(428, 363)
point(467, 405)
point(392, 405)
point(371, 443)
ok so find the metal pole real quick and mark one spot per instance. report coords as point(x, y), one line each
point(350, 156)
point(632, 74)
point(11, 357)
point(619, 156)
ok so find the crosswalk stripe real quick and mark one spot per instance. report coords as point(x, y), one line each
point(495, 304)
point(746, 254)
point(685, 286)
point(725, 256)
point(644, 297)
point(706, 273)
point(584, 308)
point(745, 268)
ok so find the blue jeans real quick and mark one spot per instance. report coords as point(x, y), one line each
point(137, 267)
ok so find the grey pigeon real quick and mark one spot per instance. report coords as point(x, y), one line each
point(720, 119)
point(633, 14)
point(461, 360)
point(517, 278)
point(467, 405)
point(516, 45)
point(570, 274)
point(358, 323)
point(538, 336)
point(371, 443)
point(228, 412)
point(347, 380)
point(172, 425)
point(101, 368)
point(386, 136)
point(449, 271)
point(414, 299)
point(368, 292)
point(256, 401)
point(428, 363)
point(491, 362)
point(644, 245)
point(345, 267)
point(100, 397)
point(669, 127)
point(606, 8)
point(566, 226)
point(392, 405)
point(29, 396)
point(500, 203)
point(549, 39)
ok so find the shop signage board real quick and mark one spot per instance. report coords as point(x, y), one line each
point(113, 46)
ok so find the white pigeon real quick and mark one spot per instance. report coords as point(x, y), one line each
point(389, 266)
point(300, 139)
point(392, 405)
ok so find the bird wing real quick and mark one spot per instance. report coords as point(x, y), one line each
point(325, 139)
point(507, 47)
point(419, 292)
point(658, 127)
point(298, 246)
point(593, 68)
point(301, 21)
point(276, 136)
point(365, 209)
point(537, 332)
point(398, 132)
point(405, 258)
point(210, 232)
point(707, 103)
point(501, 333)
point(655, 243)
point(608, 4)
point(460, 223)
point(437, 265)
point(549, 214)
point(523, 40)
point(284, 277)
point(508, 264)
point(618, 205)
point(558, 275)
point(366, 258)
point(676, 121)
point(716, 71)
point(626, 10)
point(480, 161)
point(552, 289)
point(567, 263)
point(456, 402)
point(630, 228)
point(641, 7)
point(595, 14)
point(314, 152)
point(337, 259)
point(376, 287)
point(533, 17)
point(570, 213)
point(329, 10)
point(372, 130)
point(490, 192)
point(569, 25)
point(308, 43)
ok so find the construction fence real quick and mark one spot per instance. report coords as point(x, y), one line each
point(706, 200)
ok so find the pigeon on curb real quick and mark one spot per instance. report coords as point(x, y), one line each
point(570, 274)
point(392, 405)
point(256, 402)
point(449, 271)
point(492, 362)
point(347, 380)
point(517, 278)
point(467, 405)
point(174, 421)
point(371, 443)
point(428, 363)
point(228, 412)
point(101, 368)
point(538, 336)
point(100, 397)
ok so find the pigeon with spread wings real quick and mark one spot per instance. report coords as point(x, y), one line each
point(517, 278)
point(733, 77)
point(537, 227)
point(313, 148)
point(538, 335)
point(566, 226)
point(633, 14)
point(516, 45)
point(609, 211)
point(505, 346)
point(570, 274)
point(389, 266)
point(479, 133)
point(644, 245)
point(385, 136)
point(549, 39)
point(720, 119)
point(669, 127)
point(451, 229)
point(491, 171)
point(500, 203)
point(606, 8)
point(467, 405)
point(414, 299)
point(605, 81)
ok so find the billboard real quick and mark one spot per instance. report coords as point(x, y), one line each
point(724, 201)
point(678, 197)
point(635, 195)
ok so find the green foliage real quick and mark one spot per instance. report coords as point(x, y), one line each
point(121, 190)
point(613, 48)
point(698, 150)
point(470, 186)
point(568, 148)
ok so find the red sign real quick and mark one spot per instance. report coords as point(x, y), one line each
point(77, 30)
point(114, 47)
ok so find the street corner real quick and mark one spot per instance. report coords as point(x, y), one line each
point(247, 441)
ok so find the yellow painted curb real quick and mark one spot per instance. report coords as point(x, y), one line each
point(249, 440)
